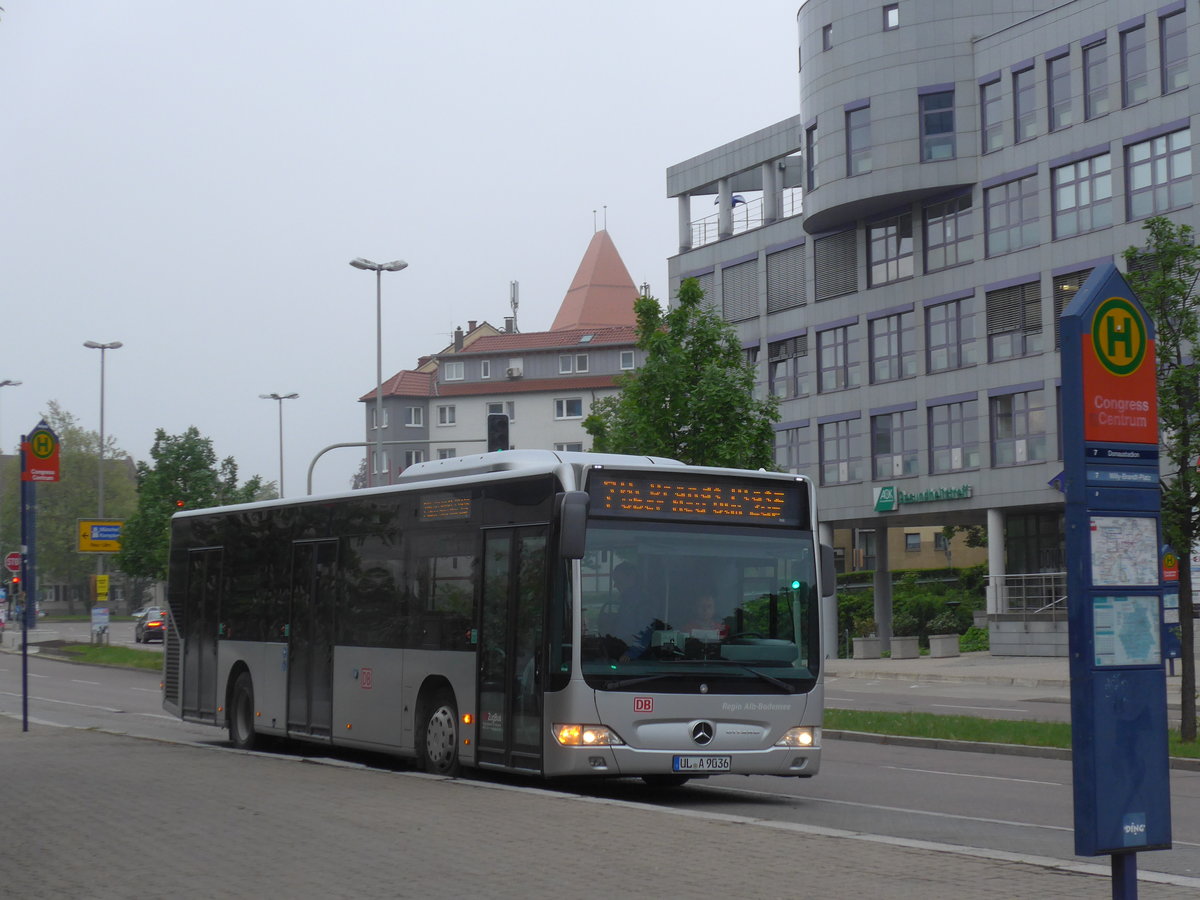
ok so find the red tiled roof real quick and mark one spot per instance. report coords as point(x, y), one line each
point(602, 293)
point(544, 340)
point(406, 384)
point(525, 386)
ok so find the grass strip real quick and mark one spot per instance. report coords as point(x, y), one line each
point(126, 657)
point(969, 728)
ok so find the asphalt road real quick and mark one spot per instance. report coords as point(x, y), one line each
point(996, 802)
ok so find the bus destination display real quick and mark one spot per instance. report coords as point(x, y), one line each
point(637, 494)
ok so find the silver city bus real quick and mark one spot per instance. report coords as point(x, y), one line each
point(562, 614)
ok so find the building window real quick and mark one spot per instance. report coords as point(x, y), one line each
point(1135, 75)
point(1095, 80)
point(566, 365)
point(626, 360)
point(894, 445)
point(858, 141)
point(991, 116)
point(954, 436)
point(785, 279)
point(375, 417)
point(502, 408)
point(827, 37)
point(837, 358)
point(810, 157)
point(835, 264)
point(1172, 31)
point(891, 17)
point(1018, 424)
point(1024, 105)
point(568, 408)
point(948, 233)
point(1014, 321)
point(379, 462)
point(414, 416)
point(890, 250)
point(453, 371)
point(569, 447)
point(1058, 92)
point(1081, 194)
point(940, 542)
point(949, 336)
point(485, 368)
point(445, 415)
point(787, 367)
point(912, 542)
point(446, 453)
point(739, 291)
point(893, 350)
point(937, 126)
point(1158, 174)
point(792, 450)
point(1011, 216)
point(841, 452)
point(411, 457)
point(1065, 288)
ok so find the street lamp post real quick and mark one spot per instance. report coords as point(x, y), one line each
point(378, 268)
point(279, 398)
point(94, 345)
point(7, 382)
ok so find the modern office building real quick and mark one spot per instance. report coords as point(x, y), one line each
point(896, 255)
point(544, 381)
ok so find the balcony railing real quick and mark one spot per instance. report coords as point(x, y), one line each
point(1043, 594)
point(747, 215)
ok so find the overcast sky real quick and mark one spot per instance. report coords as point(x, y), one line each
point(192, 179)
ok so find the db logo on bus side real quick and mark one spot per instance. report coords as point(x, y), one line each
point(643, 704)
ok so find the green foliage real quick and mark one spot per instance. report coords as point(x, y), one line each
point(945, 622)
point(693, 398)
point(185, 475)
point(905, 624)
point(975, 535)
point(1163, 275)
point(974, 639)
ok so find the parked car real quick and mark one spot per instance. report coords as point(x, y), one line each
point(151, 625)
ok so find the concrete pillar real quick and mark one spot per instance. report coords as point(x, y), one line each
point(996, 595)
point(724, 210)
point(771, 194)
point(685, 223)
point(883, 590)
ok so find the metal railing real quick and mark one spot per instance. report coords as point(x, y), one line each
point(746, 215)
point(1042, 594)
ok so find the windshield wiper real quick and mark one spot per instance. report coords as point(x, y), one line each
point(630, 682)
point(769, 679)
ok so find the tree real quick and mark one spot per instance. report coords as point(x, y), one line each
point(693, 398)
point(1163, 276)
point(61, 504)
point(185, 475)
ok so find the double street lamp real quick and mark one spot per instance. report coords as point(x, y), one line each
point(280, 398)
point(378, 268)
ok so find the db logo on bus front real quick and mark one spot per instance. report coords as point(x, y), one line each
point(643, 704)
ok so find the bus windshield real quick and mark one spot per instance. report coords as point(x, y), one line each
point(691, 607)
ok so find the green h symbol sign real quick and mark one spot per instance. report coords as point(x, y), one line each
point(1117, 323)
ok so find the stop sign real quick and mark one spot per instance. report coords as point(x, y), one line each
point(12, 562)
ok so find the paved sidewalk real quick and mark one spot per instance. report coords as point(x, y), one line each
point(92, 815)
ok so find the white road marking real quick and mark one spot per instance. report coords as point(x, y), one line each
point(966, 775)
point(989, 708)
point(81, 681)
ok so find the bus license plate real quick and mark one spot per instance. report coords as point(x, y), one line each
point(702, 763)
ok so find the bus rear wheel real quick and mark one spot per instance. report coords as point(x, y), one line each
point(241, 713)
point(437, 735)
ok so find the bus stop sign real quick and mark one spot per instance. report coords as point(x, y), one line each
point(1114, 572)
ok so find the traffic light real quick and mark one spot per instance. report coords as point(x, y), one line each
point(179, 504)
point(497, 432)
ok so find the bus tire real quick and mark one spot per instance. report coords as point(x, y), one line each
point(437, 734)
point(664, 781)
point(241, 713)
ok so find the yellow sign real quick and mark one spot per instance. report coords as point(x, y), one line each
point(100, 535)
point(101, 585)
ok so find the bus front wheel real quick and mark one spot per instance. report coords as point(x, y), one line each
point(241, 713)
point(437, 736)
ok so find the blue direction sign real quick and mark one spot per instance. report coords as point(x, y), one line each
point(1118, 685)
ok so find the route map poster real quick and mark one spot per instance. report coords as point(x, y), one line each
point(1126, 631)
point(1124, 551)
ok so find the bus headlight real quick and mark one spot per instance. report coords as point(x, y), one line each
point(800, 736)
point(586, 736)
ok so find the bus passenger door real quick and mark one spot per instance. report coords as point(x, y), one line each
point(310, 638)
point(511, 667)
point(197, 624)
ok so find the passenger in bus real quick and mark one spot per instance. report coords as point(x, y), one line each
point(704, 622)
point(629, 625)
